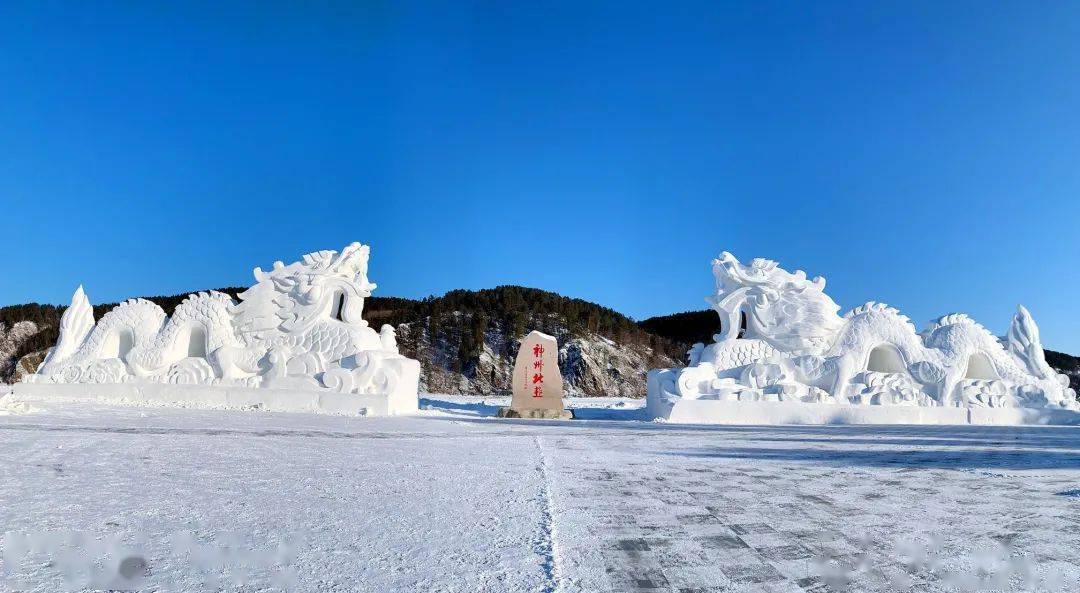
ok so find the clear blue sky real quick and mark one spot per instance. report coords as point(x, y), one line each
point(922, 154)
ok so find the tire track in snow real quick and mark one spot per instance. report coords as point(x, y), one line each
point(547, 545)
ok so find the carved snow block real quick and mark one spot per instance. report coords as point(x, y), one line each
point(538, 385)
point(295, 341)
point(785, 355)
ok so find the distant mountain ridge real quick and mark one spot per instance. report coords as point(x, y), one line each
point(466, 340)
point(688, 328)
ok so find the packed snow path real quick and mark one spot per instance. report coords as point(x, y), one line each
point(455, 501)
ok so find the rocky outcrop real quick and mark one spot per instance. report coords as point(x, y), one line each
point(27, 365)
point(12, 352)
point(594, 365)
point(591, 364)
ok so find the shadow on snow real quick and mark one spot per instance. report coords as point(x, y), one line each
point(941, 458)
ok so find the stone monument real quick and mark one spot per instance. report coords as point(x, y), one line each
point(538, 384)
point(784, 354)
point(295, 341)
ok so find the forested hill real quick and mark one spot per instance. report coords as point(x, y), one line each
point(686, 328)
point(465, 340)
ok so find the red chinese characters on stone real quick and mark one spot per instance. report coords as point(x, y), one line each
point(538, 378)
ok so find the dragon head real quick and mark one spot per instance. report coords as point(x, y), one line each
point(323, 286)
point(765, 302)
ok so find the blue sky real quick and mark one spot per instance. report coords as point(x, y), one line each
point(922, 154)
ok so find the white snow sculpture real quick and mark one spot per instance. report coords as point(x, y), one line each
point(782, 340)
point(299, 328)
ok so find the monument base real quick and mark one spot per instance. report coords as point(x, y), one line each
point(539, 414)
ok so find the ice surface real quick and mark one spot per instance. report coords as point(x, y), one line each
point(453, 500)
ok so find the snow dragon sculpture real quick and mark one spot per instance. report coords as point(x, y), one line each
point(299, 327)
point(782, 340)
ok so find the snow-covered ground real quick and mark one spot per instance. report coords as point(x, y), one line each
point(455, 500)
